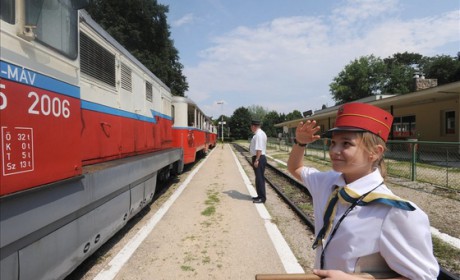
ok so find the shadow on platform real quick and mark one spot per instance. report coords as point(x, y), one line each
point(237, 195)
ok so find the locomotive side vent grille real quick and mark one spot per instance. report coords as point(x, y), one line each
point(126, 80)
point(95, 61)
point(148, 92)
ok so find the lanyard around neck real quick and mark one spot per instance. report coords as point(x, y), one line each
point(353, 205)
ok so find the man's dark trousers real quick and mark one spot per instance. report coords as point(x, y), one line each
point(260, 178)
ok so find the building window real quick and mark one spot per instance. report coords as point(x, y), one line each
point(404, 127)
point(450, 122)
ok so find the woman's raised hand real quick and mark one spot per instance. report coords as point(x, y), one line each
point(305, 132)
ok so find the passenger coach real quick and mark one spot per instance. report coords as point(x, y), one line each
point(193, 130)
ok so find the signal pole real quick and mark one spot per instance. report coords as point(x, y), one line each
point(222, 121)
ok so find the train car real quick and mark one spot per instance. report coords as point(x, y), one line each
point(192, 129)
point(211, 137)
point(86, 131)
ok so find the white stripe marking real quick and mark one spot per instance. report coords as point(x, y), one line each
point(290, 263)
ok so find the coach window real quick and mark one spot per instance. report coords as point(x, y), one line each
point(449, 123)
point(7, 11)
point(54, 23)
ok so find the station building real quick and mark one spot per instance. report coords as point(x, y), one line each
point(430, 113)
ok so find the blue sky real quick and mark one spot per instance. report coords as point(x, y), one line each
point(283, 54)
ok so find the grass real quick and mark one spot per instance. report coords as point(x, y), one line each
point(211, 201)
point(448, 256)
point(210, 210)
point(187, 268)
point(212, 198)
point(206, 259)
point(306, 207)
point(190, 237)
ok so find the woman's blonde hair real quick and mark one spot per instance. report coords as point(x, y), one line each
point(370, 141)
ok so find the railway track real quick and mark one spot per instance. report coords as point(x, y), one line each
point(299, 199)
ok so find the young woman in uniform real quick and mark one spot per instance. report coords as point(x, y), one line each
point(361, 226)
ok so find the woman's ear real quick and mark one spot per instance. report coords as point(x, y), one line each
point(380, 150)
point(377, 153)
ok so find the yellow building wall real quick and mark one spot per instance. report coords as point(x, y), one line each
point(430, 119)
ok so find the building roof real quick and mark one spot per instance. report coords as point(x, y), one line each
point(428, 95)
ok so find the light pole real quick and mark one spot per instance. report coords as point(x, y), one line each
point(222, 120)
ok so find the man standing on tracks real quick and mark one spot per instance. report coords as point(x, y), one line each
point(258, 149)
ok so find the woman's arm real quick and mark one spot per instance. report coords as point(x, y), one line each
point(304, 134)
point(340, 275)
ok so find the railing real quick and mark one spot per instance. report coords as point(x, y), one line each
point(437, 163)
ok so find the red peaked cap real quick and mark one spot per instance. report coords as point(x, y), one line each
point(362, 117)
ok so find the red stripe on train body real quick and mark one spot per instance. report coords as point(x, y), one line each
point(113, 137)
point(192, 142)
point(37, 128)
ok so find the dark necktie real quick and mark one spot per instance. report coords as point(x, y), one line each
point(328, 218)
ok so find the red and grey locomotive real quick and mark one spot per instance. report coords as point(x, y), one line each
point(86, 130)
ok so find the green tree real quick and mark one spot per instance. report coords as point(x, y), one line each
point(294, 115)
point(240, 123)
point(268, 124)
point(444, 68)
point(257, 112)
point(370, 75)
point(141, 27)
point(400, 69)
point(361, 78)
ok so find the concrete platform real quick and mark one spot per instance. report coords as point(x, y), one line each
point(208, 229)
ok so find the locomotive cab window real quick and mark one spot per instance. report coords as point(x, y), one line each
point(53, 23)
point(7, 11)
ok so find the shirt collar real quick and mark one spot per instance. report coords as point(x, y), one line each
point(363, 184)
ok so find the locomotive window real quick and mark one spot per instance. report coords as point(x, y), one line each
point(148, 92)
point(7, 11)
point(95, 61)
point(54, 23)
point(126, 80)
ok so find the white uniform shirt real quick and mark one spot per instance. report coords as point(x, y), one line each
point(401, 237)
point(258, 142)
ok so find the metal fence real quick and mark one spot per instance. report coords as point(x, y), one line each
point(437, 163)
